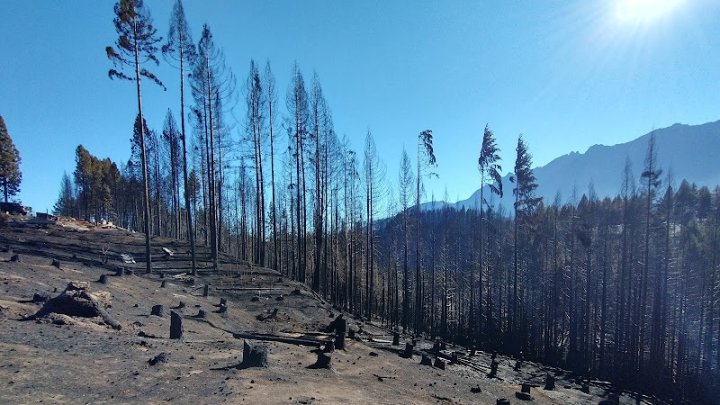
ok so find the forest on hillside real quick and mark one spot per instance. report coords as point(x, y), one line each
point(625, 288)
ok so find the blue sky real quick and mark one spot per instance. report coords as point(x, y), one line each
point(567, 74)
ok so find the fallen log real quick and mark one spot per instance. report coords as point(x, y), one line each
point(276, 338)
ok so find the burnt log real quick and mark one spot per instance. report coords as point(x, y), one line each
point(176, 326)
point(160, 358)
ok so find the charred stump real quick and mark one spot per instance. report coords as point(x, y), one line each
point(15, 258)
point(103, 279)
point(425, 360)
point(76, 301)
point(324, 361)
point(493, 369)
point(396, 339)
point(254, 355)
point(176, 326)
point(56, 263)
point(206, 290)
point(549, 382)
point(408, 352)
point(439, 363)
point(158, 310)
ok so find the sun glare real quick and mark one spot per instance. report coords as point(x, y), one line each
point(643, 11)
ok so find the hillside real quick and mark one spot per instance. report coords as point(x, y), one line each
point(685, 151)
point(59, 358)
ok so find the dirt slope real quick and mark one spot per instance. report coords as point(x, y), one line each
point(69, 359)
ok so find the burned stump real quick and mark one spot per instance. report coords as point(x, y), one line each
point(56, 263)
point(324, 361)
point(425, 360)
point(176, 326)
point(206, 290)
point(408, 352)
point(493, 369)
point(396, 339)
point(15, 258)
point(254, 355)
point(439, 363)
point(158, 310)
point(162, 284)
point(76, 300)
point(549, 382)
point(103, 279)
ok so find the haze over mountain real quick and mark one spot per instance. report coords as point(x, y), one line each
point(685, 151)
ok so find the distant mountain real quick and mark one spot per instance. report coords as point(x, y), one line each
point(689, 152)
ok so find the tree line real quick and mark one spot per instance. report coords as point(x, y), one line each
point(622, 288)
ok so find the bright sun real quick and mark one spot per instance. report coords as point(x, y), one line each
point(644, 11)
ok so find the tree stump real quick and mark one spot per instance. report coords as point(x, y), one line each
point(158, 310)
point(396, 339)
point(453, 358)
point(525, 387)
point(502, 401)
point(223, 309)
point(408, 352)
point(493, 369)
point(162, 284)
point(103, 279)
point(254, 355)
point(351, 333)
point(549, 382)
point(119, 272)
point(206, 290)
point(443, 345)
point(56, 263)
point(329, 346)
point(181, 305)
point(425, 360)
point(176, 326)
point(324, 361)
point(439, 363)
point(15, 258)
point(201, 314)
point(436, 346)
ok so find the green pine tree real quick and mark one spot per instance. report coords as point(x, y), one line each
point(10, 175)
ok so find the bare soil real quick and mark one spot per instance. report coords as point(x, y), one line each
point(70, 359)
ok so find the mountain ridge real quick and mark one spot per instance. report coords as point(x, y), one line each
point(685, 151)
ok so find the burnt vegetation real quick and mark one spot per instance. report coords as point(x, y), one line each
point(623, 288)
